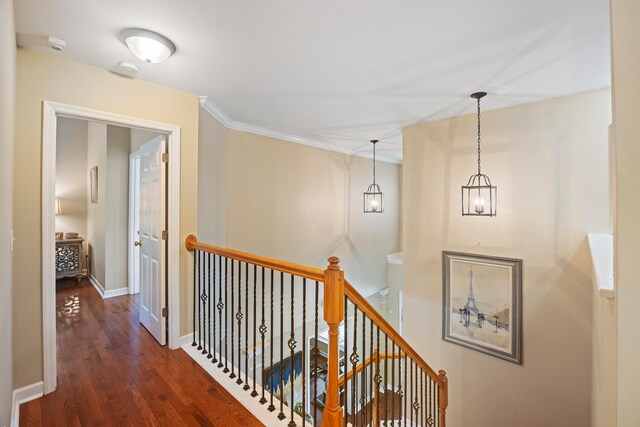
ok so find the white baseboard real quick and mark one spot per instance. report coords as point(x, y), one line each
point(186, 340)
point(107, 294)
point(24, 395)
point(96, 285)
point(269, 419)
point(116, 292)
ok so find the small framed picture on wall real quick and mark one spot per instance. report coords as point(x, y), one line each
point(93, 179)
point(482, 307)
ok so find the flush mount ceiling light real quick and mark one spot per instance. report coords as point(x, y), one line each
point(147, 45)
point(373, 200)
point(479, 197)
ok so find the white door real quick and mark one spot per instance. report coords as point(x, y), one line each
point(152, 246)
point(134, 222)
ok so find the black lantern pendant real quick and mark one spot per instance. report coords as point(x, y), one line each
point(373, 200)
point(479, 197)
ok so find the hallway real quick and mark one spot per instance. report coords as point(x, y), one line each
point(111, 371)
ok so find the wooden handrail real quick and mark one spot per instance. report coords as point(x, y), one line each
point(391, 356)
point(335, 289)
point(364, 306)
point(359, 368)
point(312, 273)
point(373, 359)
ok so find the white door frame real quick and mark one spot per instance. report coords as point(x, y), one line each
point(51, 112)
point(134, 196)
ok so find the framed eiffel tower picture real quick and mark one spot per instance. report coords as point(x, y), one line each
point(482, 304)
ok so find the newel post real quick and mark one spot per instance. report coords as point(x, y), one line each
point(443, 397)
point(334, 315)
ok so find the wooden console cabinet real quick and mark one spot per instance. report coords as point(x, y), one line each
point(69, 255)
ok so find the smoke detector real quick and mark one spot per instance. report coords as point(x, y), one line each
point(56, 44)
point(126, 69)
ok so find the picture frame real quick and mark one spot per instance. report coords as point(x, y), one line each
point(482, 304)
point(93, 178)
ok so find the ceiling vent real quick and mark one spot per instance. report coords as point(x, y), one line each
point(56, 44)
point(126, 69)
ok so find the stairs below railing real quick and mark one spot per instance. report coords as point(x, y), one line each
point(310, 354)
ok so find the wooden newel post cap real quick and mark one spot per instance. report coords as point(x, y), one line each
point(333, 263)
point(189, 241)
point(443, 375)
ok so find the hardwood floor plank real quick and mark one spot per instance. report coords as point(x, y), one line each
point(140, 403)
point(112, 372)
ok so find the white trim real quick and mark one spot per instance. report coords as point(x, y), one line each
point(186, 339)
point(96, 284)
point(601, 248)
point(134, 194)
point(269, 419)
point(116, 292)
point(24, 395)
point(108, 293)
point(51, 112)
point(210, 107)
point(49, 125)
point(175, 243)
point(395, 258)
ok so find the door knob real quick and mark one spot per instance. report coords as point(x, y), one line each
point(137, 243)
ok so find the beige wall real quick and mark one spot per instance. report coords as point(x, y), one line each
point(43, 76)
point(296, 203)
point(117, 207)
point(81, 146)
point(212, 176)
point(625, 34)
point(96, 212)
point(304, 204)
point(72, 176)
point(139, 137)
point(7, 99)
point(603, 383)
point(549, 160)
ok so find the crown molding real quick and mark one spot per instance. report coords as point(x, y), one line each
point(210, 107)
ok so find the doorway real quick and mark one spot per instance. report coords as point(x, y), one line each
point(51, 112)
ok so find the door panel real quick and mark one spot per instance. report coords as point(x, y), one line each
point(153, 248)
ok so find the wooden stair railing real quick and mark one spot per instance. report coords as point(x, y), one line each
point(257, 318)
point(412, 362)
point(375, 359)
point(375, 399)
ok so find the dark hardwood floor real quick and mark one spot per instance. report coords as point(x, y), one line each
point(111, 371)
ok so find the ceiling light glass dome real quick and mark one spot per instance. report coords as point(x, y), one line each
point(146, 45)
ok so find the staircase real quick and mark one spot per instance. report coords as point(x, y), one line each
point(304, 345)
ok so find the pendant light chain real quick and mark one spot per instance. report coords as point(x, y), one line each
point(374, 163)
point(478, 136)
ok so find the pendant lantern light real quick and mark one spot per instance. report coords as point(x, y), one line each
point(373, 198)
point(479, 197)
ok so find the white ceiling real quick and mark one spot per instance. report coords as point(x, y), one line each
point(343, 72)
